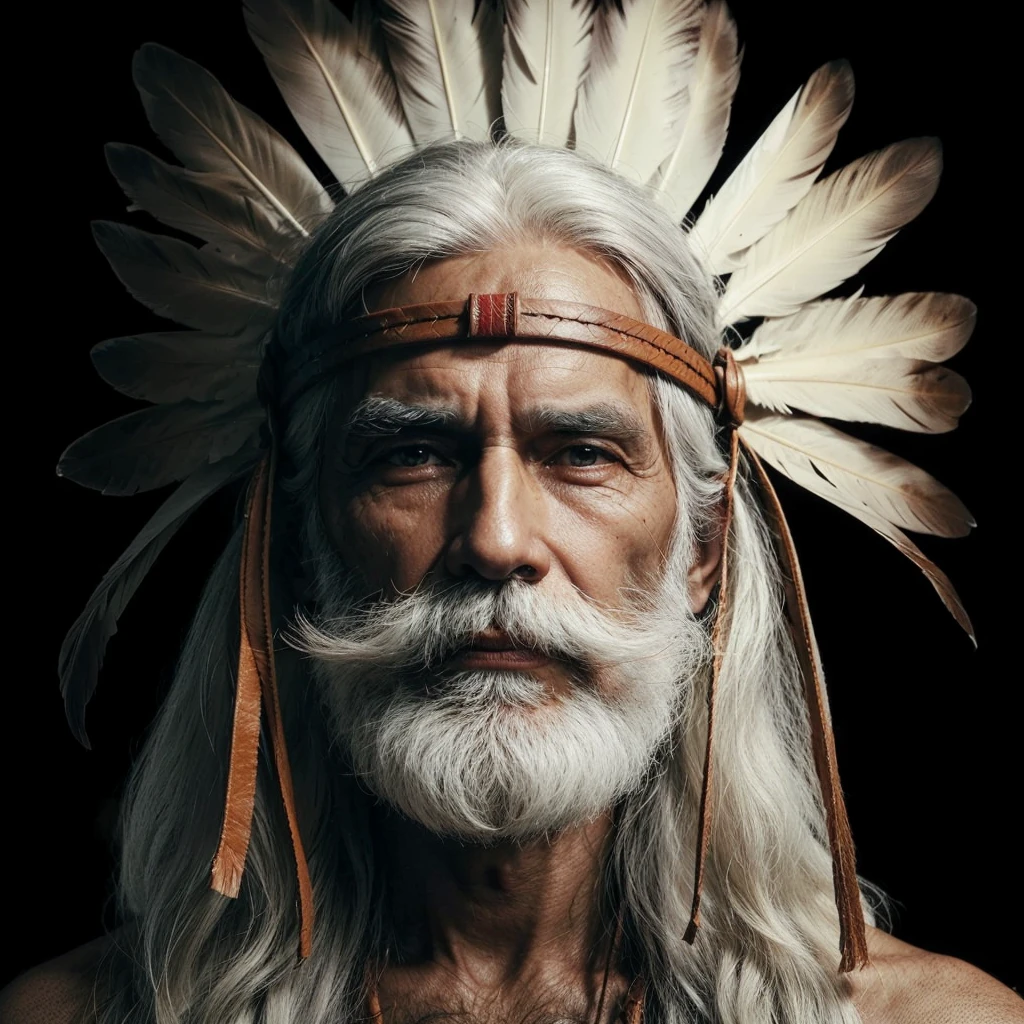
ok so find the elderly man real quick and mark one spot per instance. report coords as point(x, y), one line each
point(505, 563)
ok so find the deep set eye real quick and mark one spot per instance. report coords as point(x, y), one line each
point(580, 456)
point(412, 456)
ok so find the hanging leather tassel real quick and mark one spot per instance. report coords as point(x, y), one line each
point(256, 686)
point(852, 938)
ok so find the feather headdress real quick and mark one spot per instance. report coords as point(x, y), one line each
point(645, 86)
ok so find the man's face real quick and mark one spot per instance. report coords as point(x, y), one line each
point(522, 494)
point(538, 456)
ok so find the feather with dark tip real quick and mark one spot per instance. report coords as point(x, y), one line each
point(546, 48)
point(446, 59)
point(633, 99)
point(157, 446)
point(194, 287)
point(81, 654)
point(207, 130)
point(716, 73)
point(172, 366)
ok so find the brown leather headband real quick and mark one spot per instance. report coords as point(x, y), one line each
point(505, 316)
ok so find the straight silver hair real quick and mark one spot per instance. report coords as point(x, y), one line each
point(767, 951)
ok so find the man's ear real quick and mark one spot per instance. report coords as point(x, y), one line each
point(706, 568)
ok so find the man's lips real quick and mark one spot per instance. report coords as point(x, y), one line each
point(497, 650)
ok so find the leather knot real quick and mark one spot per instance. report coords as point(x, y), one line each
point(732, 389)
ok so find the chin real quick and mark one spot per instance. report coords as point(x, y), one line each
point(487, 757)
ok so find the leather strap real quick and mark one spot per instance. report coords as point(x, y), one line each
point(499, 316)
point(256, 685)
point(852, 936)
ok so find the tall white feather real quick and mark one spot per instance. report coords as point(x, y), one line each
point(447, 65)
point(633, 98)
point(334, 77)
point(841, 224)
point(546, 47)
point(716, 73)
point(915, 325)
point(854, 474)
point(779, 169)
point(208, 131)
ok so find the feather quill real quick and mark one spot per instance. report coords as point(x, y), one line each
point(207, 130)
point(632, 102)
point(854, 474)
point(716, 73)
point(779, 169)
point(173, 366)
point(194, 287)
point(446, 59)
point(545, 53)
point(334, 77)
point(838, 227)
point(155, 447)
point(81, 654)
point(205, 205)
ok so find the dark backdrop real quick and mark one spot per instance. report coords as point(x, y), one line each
point(928, 729)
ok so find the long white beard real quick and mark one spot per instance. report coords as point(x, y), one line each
point(486, 755)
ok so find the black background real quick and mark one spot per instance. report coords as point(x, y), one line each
point(928, 729)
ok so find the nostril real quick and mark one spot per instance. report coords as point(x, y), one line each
point(525, 572)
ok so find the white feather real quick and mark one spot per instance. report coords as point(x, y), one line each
point(446, 59)
point(854, 474)
point(546, 48)
point(779, 169)
point(909, 394)
point(208, 131)
point(716, 73)
point(916, 325)
point(333, 75)
point(633, 99)
point(841, 224)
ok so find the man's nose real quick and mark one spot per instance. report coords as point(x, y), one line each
point(499, 521)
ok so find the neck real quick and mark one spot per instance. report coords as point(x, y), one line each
point(499, 913)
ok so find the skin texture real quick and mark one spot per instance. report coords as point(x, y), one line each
point(508, 931)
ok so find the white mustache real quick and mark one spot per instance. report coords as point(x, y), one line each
point(422, 629)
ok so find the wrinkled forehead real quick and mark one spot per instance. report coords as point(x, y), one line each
point(516, 381)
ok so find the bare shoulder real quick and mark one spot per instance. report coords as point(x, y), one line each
point(59, 991)
point(906, 985)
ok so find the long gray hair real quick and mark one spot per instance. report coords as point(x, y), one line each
point(768, 947)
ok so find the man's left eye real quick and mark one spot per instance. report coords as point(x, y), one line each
point(413, 456)
point(579, 456)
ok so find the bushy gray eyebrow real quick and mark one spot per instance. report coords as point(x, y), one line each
point(381, 416)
